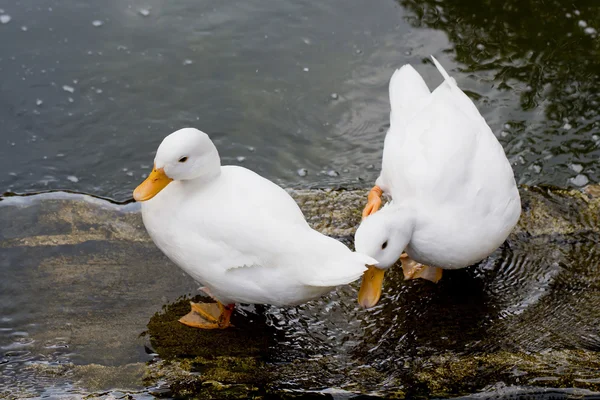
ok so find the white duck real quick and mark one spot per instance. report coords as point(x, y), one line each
point(237, 233)
point(454, 196)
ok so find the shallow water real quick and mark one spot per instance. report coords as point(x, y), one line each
point(88, 305)
point(90, 88)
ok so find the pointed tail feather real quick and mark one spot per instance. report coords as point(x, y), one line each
point(439, 67)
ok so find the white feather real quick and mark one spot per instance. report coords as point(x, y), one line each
point(442, 162)
point(246, 240)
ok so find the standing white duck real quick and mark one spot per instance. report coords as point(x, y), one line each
point(237, 233)
point(454, 196)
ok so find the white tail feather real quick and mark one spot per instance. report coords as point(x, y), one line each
point(447, 77)
point(407, 91)
point(342, 272)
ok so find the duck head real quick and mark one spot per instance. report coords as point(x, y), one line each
point(184, 155)
point(383, 236)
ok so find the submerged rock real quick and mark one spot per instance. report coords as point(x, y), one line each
point(89, 303)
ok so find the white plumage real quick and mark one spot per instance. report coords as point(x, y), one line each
point(240, 235)
point(454, 196)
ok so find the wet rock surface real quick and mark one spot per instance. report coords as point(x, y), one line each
point(89, 306)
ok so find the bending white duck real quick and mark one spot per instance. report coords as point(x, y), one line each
point(454, 196)
point(240, 235)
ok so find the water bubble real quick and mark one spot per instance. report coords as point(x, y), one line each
point(144, 12)
point(306, 40)
point(187, 62)
point(98, 91)
point(567, 126)
point(251, 148)
point(302, 172)
point(68, 88)
point(334, 96)
point(5, 18)
point(24, 28)
point(582, 23)
point(97, 23)
point(580, 180)
point(590, 31)
point(332, 172)
point(39, 102)
point(568, 15)
point(305, 69)
point(576, 12)
point(129, 173)
point(370, 166)
point(73, 178)
point(480, 47)
point(71, 100)
point(240, 158)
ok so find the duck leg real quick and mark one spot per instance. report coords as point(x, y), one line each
point(373, 201)
point(208, 316)
point(414, 270)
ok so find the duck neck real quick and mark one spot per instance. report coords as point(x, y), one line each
point(401, 220)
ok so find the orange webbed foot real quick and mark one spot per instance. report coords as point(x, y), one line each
point(208, 316)
point(373, 201)
point(414, 270)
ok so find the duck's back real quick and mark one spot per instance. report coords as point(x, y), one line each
point(441, 157)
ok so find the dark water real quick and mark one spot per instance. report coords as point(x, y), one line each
point(89, 89)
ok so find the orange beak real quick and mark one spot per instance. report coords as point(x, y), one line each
point(154, 183)
point(370, 288)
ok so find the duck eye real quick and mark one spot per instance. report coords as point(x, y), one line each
point(384, 245)
point(183, 159)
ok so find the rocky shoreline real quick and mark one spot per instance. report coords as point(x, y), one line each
point(104, 318)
